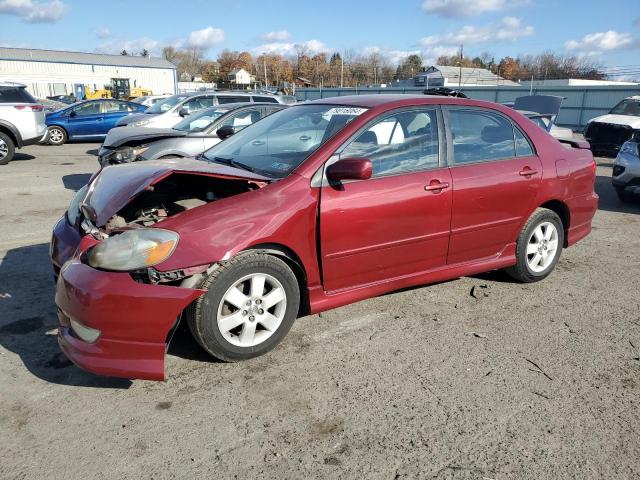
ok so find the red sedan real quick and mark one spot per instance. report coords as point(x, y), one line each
point(317, 206)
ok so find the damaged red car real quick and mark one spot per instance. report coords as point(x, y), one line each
point(317, 206)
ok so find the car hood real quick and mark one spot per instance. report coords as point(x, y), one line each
point(628, 120)
point(542, 104)
point(115, 186)
point(121, 135)
point(135, 117)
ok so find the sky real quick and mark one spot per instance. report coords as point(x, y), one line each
point(607, 32)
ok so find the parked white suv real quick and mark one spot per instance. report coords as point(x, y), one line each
point(21, 120)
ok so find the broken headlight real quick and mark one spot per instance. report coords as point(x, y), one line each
point(133, 249)
point(73, 212)
point(127, 154)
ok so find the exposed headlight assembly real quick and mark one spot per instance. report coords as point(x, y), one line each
point(133, 249)
point(127, 154)
point(630, 148)
point(73, 212)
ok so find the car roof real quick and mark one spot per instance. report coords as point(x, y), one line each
point(396, 99)
point(13, 84)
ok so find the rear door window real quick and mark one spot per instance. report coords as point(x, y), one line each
point(480, 136)
point(222, 99)
point(265, 99)
point(15, 95)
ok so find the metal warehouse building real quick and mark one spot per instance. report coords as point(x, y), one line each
point(52, 72)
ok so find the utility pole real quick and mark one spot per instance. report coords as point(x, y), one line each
point(264, 62)
point(460, 72)
point(341, 71)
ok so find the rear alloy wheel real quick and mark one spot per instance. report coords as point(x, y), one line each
point(538, 247)
point(7, 149)
point(251, 302)
point(57, 136)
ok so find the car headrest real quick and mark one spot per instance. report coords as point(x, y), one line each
point(368, 137)
point(496, 134)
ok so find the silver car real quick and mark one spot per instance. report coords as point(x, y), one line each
point(626, 170)
point(22, 120)
point(169, 112)
point(192, 136)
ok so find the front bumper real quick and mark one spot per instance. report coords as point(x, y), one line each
point(626, 171)
point(134, 318)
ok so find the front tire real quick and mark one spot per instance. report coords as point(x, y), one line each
point(251, 303)
point(538, 247)
point(7, 149)
point(56, 136)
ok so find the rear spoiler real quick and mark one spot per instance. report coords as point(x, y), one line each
point(582, 144)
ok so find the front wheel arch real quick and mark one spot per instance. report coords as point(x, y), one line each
point(293, 261)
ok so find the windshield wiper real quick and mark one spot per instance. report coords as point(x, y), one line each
point(233, 163)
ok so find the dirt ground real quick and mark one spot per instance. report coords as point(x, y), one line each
point(515, 381)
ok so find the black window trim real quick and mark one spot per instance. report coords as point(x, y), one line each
point(449, 137)
point(335, 156)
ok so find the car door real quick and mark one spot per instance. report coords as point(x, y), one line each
point(396, 223)
point(496, 176)
point(84, 120)
point(113, 110)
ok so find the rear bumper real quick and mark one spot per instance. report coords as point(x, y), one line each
point(582, 209)
point(134, 319)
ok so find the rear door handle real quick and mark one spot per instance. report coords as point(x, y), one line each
point(527, 172)
point(436, 186)
point(304, 138)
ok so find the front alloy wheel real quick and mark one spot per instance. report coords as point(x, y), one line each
point(251, 302)
point(57, 136)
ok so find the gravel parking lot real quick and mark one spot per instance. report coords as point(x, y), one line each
point(474, 378)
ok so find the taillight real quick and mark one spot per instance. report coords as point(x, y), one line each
point(29, 108)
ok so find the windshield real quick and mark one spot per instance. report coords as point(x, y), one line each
point(197, 122)
point(165, 105)
point(276, 145)
point(627, 107)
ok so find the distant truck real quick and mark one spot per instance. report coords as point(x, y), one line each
point(607, 133)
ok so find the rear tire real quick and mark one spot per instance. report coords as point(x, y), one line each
point(623, 195)
point(538, 247)
point(7, 149)
point(251, 303)
point(56, 136)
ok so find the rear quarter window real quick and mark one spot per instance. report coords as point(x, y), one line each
point(15, 95)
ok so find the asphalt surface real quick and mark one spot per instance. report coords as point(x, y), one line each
point(478, 378)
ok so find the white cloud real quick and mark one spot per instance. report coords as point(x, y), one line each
point(468, 8)
point(599, 42)
point(103, 32)
point(205, 38)
point(507, 29)
point(276, 36)
point(394, 56)
point(290, 48)
point(34, 12)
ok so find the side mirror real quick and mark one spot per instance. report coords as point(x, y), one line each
point(225, 132)
point(183, 112)
point(350, 169)
point(72, 113)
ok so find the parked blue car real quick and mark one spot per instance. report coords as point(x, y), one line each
point(89, 120)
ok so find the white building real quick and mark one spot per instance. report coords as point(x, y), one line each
point(446, 76)
point(240, 76)
point(52, 72)
point(578, 82)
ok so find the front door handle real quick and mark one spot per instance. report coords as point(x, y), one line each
point(257, 143)
point(436, 186)
point(304, 138)
point(527, 172)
